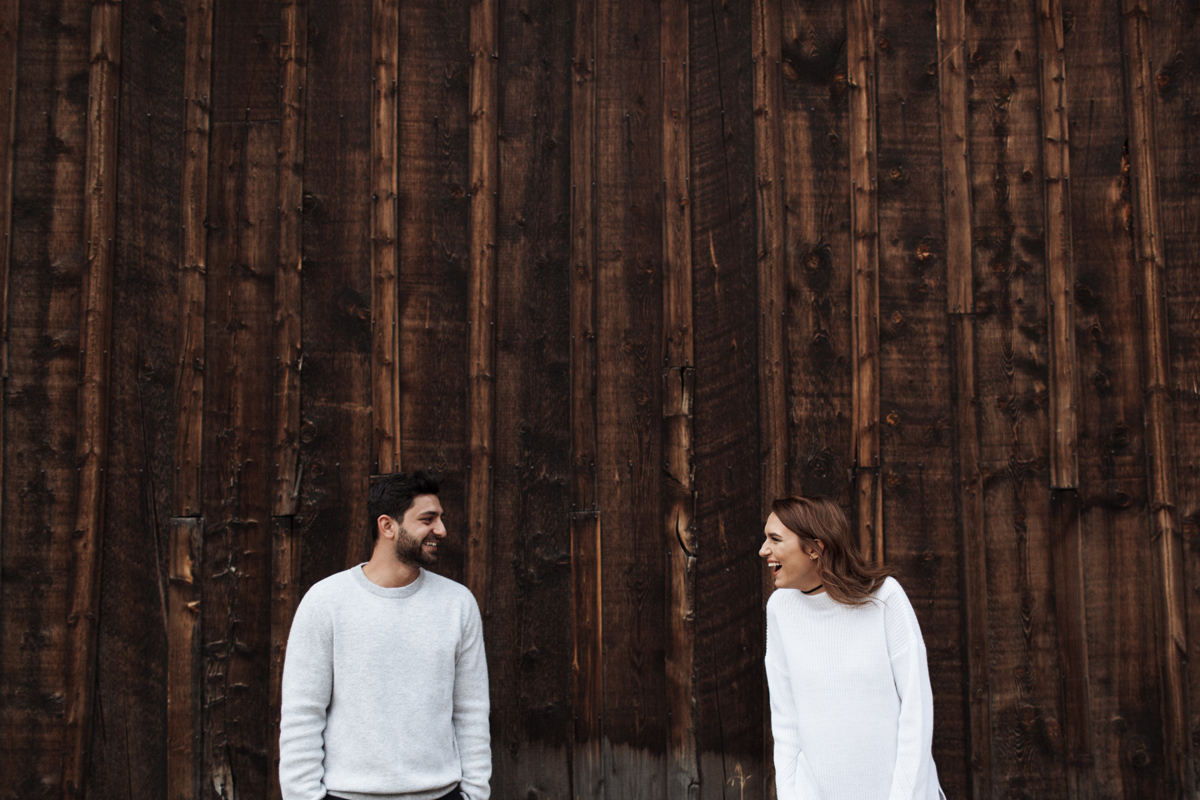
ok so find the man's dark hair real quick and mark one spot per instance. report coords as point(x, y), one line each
point(393, 495)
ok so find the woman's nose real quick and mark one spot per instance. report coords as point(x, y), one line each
point(762, 551)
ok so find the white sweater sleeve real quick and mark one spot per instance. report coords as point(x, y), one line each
point(306, 691)
point(910, 669)
point(471, 708)
point(783, 712)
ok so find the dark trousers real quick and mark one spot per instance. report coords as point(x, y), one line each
point(451, 795)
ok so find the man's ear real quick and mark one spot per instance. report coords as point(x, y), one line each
point(386, 527)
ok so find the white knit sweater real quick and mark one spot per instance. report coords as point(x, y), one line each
point(385, 692)
point(851, 705)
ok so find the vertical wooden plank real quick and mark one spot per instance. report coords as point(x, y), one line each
point(1071, 607)
point(1008, 222)
point(968, 508)
point(772, 275)
point(9, 20)
point(243, 223)
point(293, 57)
point(129, 731)
point(184, 687)
point(821, 361)
point(960, 302)
point(1136, 40)
point(1121, 604)
point(916, 380)
point(1175, 36)
point(723, 195)
point(679, 376)
point(481, 293)
point(46, 263)
point(385, 372)
point(336, 433)
point(285, 549)
point(1066, 531)
point(864, 262)
point(1060, 266)
point(529, 629)
point(434, 132)
point(774, 383)
point(629, 389)
point(587, 769)
point(91, 444)
point(183, 719)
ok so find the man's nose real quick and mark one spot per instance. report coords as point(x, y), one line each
point(440, 528)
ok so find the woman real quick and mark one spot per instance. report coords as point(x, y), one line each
point(851, 705)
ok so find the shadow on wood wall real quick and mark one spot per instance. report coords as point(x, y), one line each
point(625, 272)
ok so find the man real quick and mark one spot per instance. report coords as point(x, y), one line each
point(385, 689)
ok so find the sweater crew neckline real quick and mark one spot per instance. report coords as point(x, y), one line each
point(390, 592)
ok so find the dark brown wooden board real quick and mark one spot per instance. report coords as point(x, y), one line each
point(238, 431)
point(723, 194)
point(129, 760)
point(1111, 446)
point(40, 404)
point(529, 622)
point(587, 768)
point(432, 306)
point(816, 167)
point(1175, 64)
point(335, 413)
point(243, 225)
point(921, 542)
point(1011, 368)
point(629, 386)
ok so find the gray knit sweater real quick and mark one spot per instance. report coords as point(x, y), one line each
point(385, 692)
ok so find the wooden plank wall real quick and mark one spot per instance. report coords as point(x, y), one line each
point(625, 271)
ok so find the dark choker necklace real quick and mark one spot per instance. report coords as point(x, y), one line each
point(815, 588)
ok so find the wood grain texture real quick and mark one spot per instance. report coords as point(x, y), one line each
point(293, 57)
point(678, 399)
point(243, 241)
point(724, 189)
point(530, 591)
point(968, 507)
point(46, 265)
point(193, 257)
point(1160, 432)
point(385, 370)
point(1065, 525)
point(1121, 604)
point(629, 307)
point(185, 764)
point(952, 91)
point(481, 293)
point(129, 731)
point(1174, 37)
point(916, 375)
point(1011, 379)
point(336, 439)
point(815, 120)
point(864, 263)
point(1060, 265)
point(91, 442)
point(9, 17)
point(770, 239)
point(434, 156)
point(587, 768)
point(184, 687)
point(288, 319)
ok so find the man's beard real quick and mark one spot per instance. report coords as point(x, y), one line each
point(412, 552)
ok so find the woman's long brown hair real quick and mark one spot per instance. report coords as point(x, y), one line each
point(847, 577)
